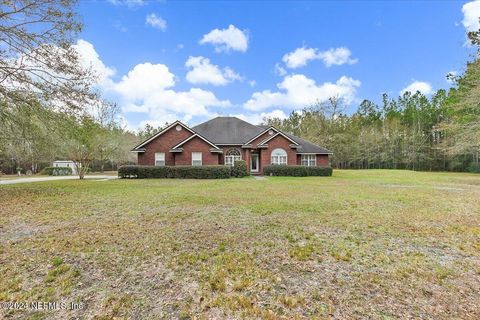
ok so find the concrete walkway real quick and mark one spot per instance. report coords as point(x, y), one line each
point(36, 179)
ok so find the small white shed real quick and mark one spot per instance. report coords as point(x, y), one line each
point(65, 163)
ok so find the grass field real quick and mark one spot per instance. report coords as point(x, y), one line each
point(361, 244)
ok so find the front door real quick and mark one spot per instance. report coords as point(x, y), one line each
point(254, 163)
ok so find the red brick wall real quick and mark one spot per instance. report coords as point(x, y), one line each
point(247, 158)
point(196, 145)
point(163, 143)
point(277, 142)
point(323, 160)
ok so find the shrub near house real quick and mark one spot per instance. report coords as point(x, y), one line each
point(182, 172)
point(239, 169)
point(296, 171)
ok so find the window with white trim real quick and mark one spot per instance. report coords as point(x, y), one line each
point(309, 160)
point(231, 156)
point(159, 159)
point(196, 158)
point(279, 156)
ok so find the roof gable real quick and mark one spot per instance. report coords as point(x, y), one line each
point(279, 133)
point(193, 136)
point(137, 148)
point(265, 129)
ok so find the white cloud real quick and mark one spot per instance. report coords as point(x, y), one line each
point(149, 88)
point(128, 3)
point(161, 104)
point(297, 91)
point(334, 56)
point(279, 70)
point(252, 83)
point(423, 87)
point(337, 56)
point(228, 39)
point(266, 99)
point(471, 15)
point(231, 74)
point(257, 118)
point(300, 57)
point(90, 59)
point(203, 72)
point(144, 79)
point(156, 22)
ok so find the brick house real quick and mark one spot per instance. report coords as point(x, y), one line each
point(222, 140)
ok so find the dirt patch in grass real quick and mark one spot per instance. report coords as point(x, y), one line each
point(15, 231)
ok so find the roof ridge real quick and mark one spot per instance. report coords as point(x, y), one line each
point(225, 117)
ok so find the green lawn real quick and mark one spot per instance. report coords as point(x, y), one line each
point(379, 244)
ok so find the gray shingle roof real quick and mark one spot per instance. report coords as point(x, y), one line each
point(232, 130)
point(306, 146)
point(227, 130)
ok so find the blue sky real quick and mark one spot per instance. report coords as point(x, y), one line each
point(161, 61)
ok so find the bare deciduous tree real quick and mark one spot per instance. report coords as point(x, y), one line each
point(37, 57)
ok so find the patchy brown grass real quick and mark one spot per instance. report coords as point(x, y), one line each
point(361, 244)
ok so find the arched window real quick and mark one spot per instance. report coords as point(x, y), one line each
point(231, 156)
point(279, 156)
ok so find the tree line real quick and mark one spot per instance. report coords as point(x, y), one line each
point(36, 136)
point(412, 131)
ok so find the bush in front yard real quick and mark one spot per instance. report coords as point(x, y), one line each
point(239, 169)
point(142, 172)
point(182, 172)
point(296, 171)
point(198, 172)
point(57, 171)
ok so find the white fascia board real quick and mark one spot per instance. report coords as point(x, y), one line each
point(162, 132)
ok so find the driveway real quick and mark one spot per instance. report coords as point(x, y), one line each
point(36, 179)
